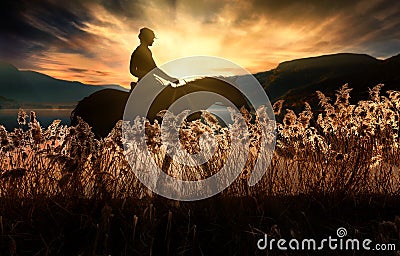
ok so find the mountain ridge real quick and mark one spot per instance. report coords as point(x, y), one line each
point(296, 81)
point(35, 89)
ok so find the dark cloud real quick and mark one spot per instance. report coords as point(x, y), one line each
point(14, 23)
point(89, 72)
point(376, 29)
point(17, 35)
point(103, 73)
point(78, 70)
point(30, 28)
point(370, 25)
point(125, 8)
point(355, 24)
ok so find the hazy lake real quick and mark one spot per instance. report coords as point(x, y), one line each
point(8, 117)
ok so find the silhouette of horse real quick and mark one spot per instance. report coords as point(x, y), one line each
point(102, 109)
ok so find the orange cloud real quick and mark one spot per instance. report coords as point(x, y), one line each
point(254, 34)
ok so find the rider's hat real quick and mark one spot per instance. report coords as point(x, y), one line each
point(146, 33)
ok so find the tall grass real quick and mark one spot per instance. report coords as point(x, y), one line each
point(65, 192)
point(351, 149)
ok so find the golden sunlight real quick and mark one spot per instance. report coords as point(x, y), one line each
point(257, 44)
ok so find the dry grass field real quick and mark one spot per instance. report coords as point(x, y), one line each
point(65, 192)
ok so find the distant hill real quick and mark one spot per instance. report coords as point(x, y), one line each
point(296, 81)
point(7, 103)
point(29, 88)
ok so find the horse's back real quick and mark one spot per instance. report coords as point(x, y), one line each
point(104, 108)
point(217, 89)
point(101, 110)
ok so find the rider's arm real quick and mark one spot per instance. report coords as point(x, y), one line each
point(160, 73)
point(165, 76)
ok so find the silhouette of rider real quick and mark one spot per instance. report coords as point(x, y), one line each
point(142, 61)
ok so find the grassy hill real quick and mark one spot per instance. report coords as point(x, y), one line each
point(296, 81)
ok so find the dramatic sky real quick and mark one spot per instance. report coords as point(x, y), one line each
point(91, 40)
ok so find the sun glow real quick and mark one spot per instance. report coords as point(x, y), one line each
point(257, 42)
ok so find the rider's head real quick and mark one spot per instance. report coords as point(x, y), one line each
point(146, 36)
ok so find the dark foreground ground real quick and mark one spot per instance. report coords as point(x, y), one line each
point(216, 226)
